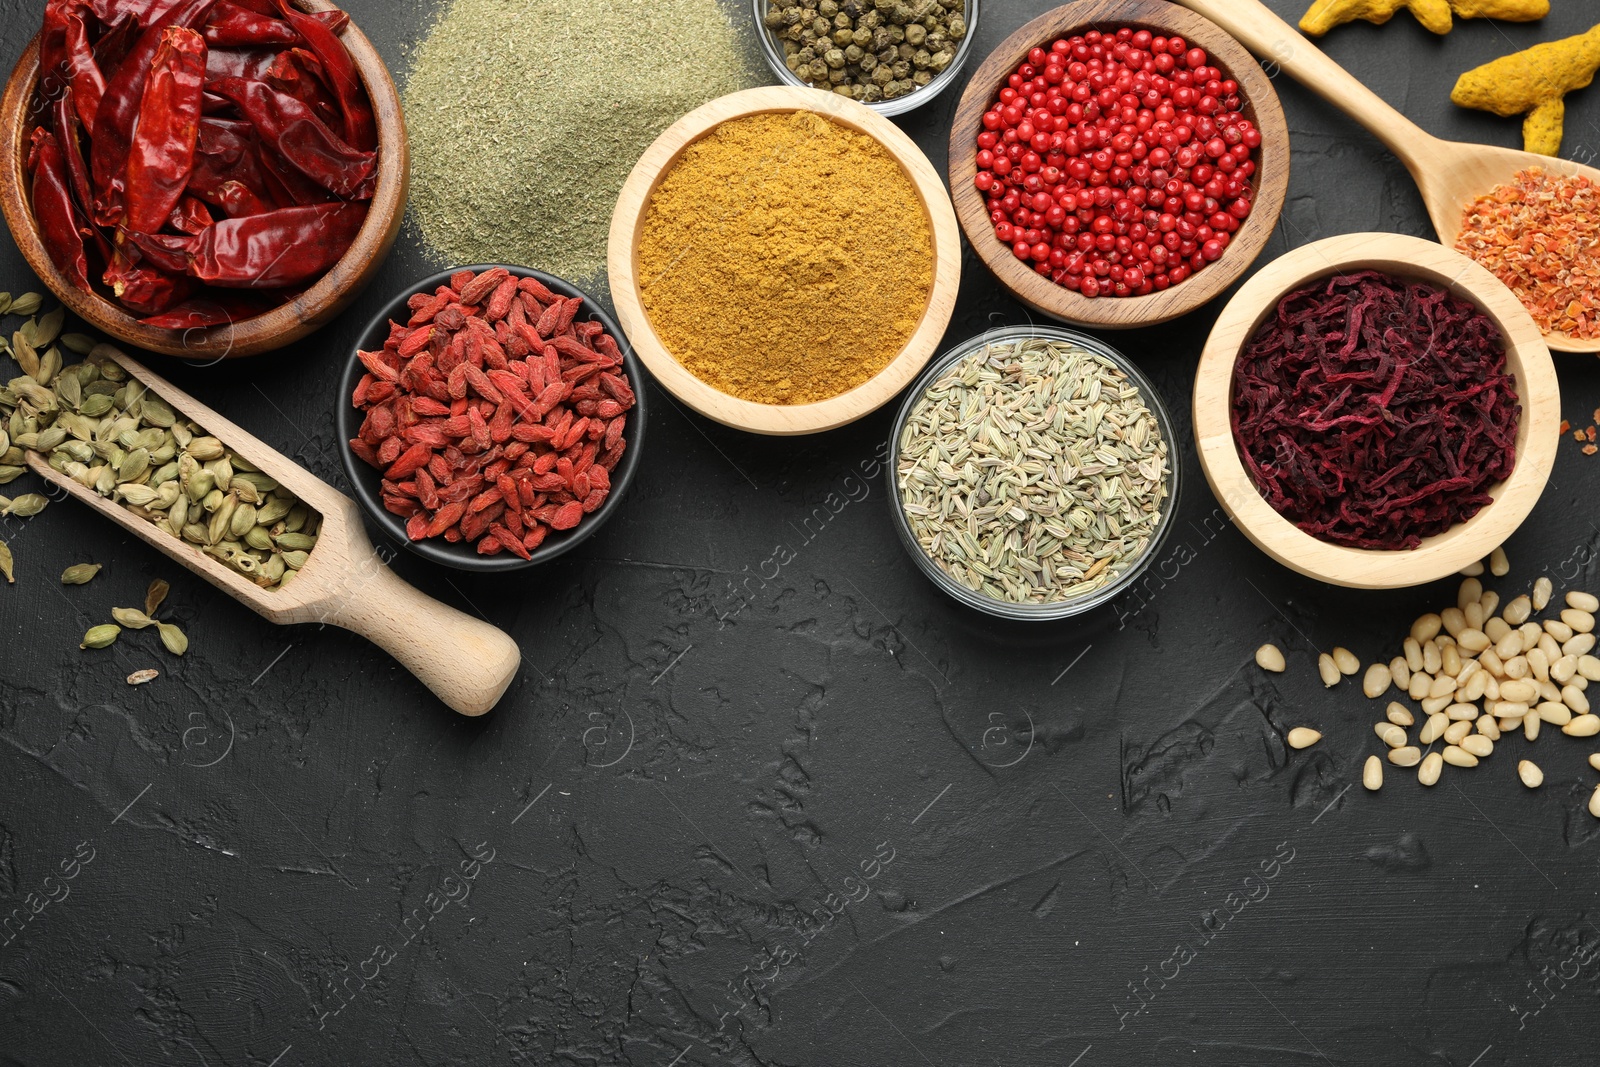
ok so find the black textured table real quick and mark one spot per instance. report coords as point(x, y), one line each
point(816, 814)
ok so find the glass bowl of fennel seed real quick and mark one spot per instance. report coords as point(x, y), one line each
point(1033, 473)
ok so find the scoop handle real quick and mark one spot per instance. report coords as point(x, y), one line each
point(466, 662)
point(1275, 41)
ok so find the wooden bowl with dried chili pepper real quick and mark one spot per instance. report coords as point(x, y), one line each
point(204, 179)
point(1376, 411)
point(492, 417)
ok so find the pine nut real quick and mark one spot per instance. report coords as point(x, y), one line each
point(1499, 565)
point(1589, 667)
point(1270, 658)
point(1579, 645)
point(1531, 632)
point(1346, 661)
point(1564, 669)
point(1580, 683)
point(1582, 726)
point(1303, 737)
point(1518, 692)
point(1372, 774)
point(1377, 681)
point(1488, 727)
point(1442, 686)
point(1582, 622)
point(1461, 712)
point(1426, 628)
point(1432, 705)
point(1531, 775)
point(1450, 660)
point(1454, 620)
point(1517, 612)
point(1508, 709)
point(1459, 757)
point(1474, 614)
point(1328, 671)
point(1456, 731)
point(1573, 698)
point(1390, 734)
point(1542, 589)
point(1433, 729)
point(1433, 766)
point(1431, 657)
point(1583, 602)
point(1594, 760)
point(1471, 592)
point(1413, 653)
point(1477, 745)
point(1549, 691)
point(1400, 715)
point(1594, 803)
point(1421, 682)
point(1553, 713)
point(1495, 629)
point(1558, 629)
point(1468, 669)
point(1491, 689)
point(1409, 756)
point(1517, 668)
point(1509, 725)
point(1472, 570)
point(1539, 663)
point(1473, 640)
point(1509, 646)
point(1491, 603)
point(1493, 663)
point(1400, 671)
point(1530, 727)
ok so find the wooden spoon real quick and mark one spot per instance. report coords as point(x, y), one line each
point(1449, 174)
point(466, 662)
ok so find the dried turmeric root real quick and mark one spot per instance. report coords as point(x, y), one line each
point(1534, 82)
point(1434, 14)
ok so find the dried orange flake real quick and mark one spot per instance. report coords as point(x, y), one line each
point(1540, 234)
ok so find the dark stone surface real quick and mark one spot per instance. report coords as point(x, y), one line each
point(685, 769)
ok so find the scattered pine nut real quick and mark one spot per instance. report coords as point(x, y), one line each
point(1594, 803)
point(1426, 628)
point(1377, 681)
point(1471, 592)
point(1390, 734)
point(1531, 632)
point(1589, 667)
point(1499, 565)
point(1583, 602)
point(1456, 731)
point(1433, 766)
point(1553, 713)
point(1412, 650)
point(1303, 737)
point(1477, 745)
point(1530, 727)
point(1421, 682)
point(1495, 629)
point(1539, 664)
point(1542, 590)
point(1579, 645)
point(1430, 705)
point(1346, 661)
point(1400, 671)
point(1434, 728)
point(1488, 727)
point(1461, 712)
point(1582, 726)
point(1472, 570)
point(1573, 698)
point(1475, 615)
point(1564, 669)
point(1372, 774)
point(1518, 692)
point(1594, 760)
point(1473, 640)
point(1476, 686)
point(1531, 775)
point(1559, 630)
point(1459, 757)
point(1490, 603)
point(1329, 670)
point(1582, 622)
point(1400, 715)
point(1409, 756)
point(1450, 660)
point(1442, 686)
point(1270, 658)
point(1454, 619)
point(1517, 612)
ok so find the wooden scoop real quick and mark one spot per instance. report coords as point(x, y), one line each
point(466, 662)
point(1449, 174)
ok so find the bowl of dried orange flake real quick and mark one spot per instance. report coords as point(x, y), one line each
point(784, 260)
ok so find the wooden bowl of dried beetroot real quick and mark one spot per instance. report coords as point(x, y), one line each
point(1376, 411)
point(479, 386)
point(239, 183)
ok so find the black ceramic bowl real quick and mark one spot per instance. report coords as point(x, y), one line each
point(365, 480)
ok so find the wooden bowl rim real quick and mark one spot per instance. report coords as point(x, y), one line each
point(1271, 179)
point(1527, 358)
point(258, 334)
point(783, 419)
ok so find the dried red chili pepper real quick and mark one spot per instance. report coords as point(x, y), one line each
point(144, 290)
point(231, 26)
point(360, 127)
point(65, 116)
point(83, 73)
point(290, 73)
point(119, 108)
point(203, 313)
point(294, 129)
point(191, 216)
point(52, 206)
point(161, 155)
point(269, 251)
point(251, 64)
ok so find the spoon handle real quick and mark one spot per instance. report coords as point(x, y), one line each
point(1275, 41)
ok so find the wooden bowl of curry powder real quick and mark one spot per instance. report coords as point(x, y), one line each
point(784, 260)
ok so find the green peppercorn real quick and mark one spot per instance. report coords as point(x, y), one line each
point(852, 54)
point(916, 34)
point(827, 9)
point(921, 59)
point(921, 78)
point(941, 59)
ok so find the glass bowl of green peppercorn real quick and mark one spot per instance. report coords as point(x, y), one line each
point(892, 55)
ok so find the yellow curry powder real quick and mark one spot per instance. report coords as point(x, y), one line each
point(785, 258)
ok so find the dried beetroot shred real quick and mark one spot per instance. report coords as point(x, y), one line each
point(1373, 411)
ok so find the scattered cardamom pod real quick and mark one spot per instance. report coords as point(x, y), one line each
point(77, 343)
point(80, 573)
point(132, 618)
point(25, 506)
point(7, 564)
point(27, 304)
point(155, 595)
point(141, 677)
point(101, 636)
point(173, 638)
